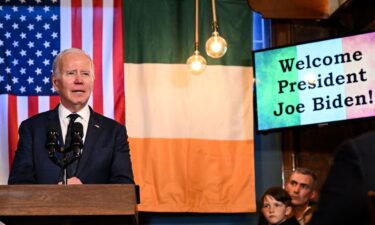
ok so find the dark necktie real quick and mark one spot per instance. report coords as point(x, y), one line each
point(68, 138)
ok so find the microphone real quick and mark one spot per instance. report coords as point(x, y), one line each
point(77, 135)
point(52, 139)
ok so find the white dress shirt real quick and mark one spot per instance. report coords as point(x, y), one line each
point(84, 116)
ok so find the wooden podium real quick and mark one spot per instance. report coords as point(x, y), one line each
point(112, 204)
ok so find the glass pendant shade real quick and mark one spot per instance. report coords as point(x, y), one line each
point(196, 63)
point(216, 46)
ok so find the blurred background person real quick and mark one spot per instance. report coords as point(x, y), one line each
point(344, 195)
point(301, 186)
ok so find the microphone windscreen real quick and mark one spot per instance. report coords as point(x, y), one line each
point(77, 128)
point(52, 127)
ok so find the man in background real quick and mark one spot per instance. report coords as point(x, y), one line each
point(345, 194)
point(301, 187)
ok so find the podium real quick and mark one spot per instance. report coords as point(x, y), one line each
point(89, 204)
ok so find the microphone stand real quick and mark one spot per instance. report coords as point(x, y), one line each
point(67, 160)
point(62, 163)
point(52, 146)
point(65, 170)
point(75, 146)
point(65, 179)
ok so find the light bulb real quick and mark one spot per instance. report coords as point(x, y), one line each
point(196, 63)
point(310, 78)
point(216, 46)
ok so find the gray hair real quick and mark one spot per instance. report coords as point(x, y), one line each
point(308, 172)
point(57, 60)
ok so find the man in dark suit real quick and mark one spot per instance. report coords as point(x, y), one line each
point(344, 196)
point(105, 155)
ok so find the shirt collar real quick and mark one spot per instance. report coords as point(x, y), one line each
point(84, 113)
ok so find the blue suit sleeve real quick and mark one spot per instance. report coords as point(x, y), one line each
point(22, 171)
point(121, 169)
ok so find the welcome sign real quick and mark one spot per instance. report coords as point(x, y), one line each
point(312, 83)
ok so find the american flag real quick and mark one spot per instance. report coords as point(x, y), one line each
point(32, 33)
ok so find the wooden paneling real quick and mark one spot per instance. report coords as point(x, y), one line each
point(296, 9)
point(72, 204)
point(59, 200)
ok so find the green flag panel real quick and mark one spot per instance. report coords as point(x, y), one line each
point(162, 31)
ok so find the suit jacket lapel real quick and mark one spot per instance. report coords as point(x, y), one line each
point(93, 132)
point(53, 117)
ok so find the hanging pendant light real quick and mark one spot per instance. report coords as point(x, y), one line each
point(196, 63)
point(216, 46)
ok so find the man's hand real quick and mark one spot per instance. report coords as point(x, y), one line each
point(72, 181)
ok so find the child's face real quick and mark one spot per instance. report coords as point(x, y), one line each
point(274, 211)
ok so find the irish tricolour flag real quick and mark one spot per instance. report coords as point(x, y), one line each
point(191, 136)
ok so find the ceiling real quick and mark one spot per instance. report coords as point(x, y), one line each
point(354, 14)
point(296, 9)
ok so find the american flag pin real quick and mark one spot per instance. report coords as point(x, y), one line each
point(97, 126)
